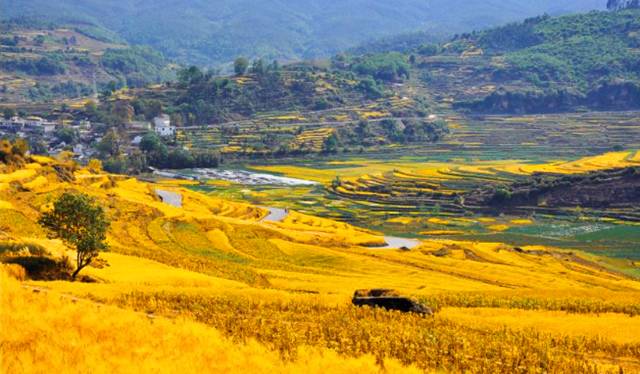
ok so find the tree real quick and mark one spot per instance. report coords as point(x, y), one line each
point(258, 67)
point(190, 76)
point(110, 143)
point(91, 108)
point(363, 130)
point(66, 134)
point(38, 40)
point(240, 66)
point(394, 129)
point(152, 108)
point(428, 49)
point(155, 151)
point(81, 224)
point(370, 88)
point(8, 113)
point(330, 144)
point(151, 142)
point(109, 89)
point(115, 165)
point(337, 182)
point(123, 111)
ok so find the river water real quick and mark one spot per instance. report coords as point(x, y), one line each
point(237, 176)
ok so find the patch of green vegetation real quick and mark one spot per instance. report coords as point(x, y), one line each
point(48, 65)
point(63, 59)
point(388, 67)
point(566, 61)
point(137, 66)
point(190, 237)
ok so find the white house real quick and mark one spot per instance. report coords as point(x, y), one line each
point(162, 126)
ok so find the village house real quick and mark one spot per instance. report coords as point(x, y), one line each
point(162, 126)
point(29, 125)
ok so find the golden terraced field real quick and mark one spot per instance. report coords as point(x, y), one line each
point(211, 286)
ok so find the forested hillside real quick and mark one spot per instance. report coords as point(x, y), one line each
point(213, 32)
point(41, 61)
point(543, 64)
point(589, 60)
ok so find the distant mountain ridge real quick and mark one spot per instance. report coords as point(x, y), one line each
point(214, 32)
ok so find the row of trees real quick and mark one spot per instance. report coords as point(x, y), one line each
point(404, 131)
point(152, 152)
point(40, 66)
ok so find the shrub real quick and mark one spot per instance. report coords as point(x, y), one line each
point(44, 268)
point(13, 247)
point(388, 67)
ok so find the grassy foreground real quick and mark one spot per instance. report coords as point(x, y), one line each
point(45, 333)
point(230, 292)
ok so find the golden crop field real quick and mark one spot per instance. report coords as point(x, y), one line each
point(44, 332)
point(359, 171)
point(212, 285)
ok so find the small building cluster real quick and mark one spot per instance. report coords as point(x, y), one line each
point(22, 127)
point(45, 133)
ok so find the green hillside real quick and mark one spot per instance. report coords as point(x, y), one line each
point(543, 64)
point(212, 32)
point(42, 62)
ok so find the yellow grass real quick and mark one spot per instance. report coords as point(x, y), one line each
point(212, 247)
point(5, 205)
point(619, 328)
point(373, 114)
point(17, 176)
point(436, 172)
point(401, 220)
point(486, 219)
point(44, 333)
point(36, 183)
point(438, 221)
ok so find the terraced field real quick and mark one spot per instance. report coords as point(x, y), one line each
point(419, 195)
point(297, 131)
point(214, 266)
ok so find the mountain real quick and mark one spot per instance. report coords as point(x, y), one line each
point(214, 32)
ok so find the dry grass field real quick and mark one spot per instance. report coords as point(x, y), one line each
point(210, 286)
